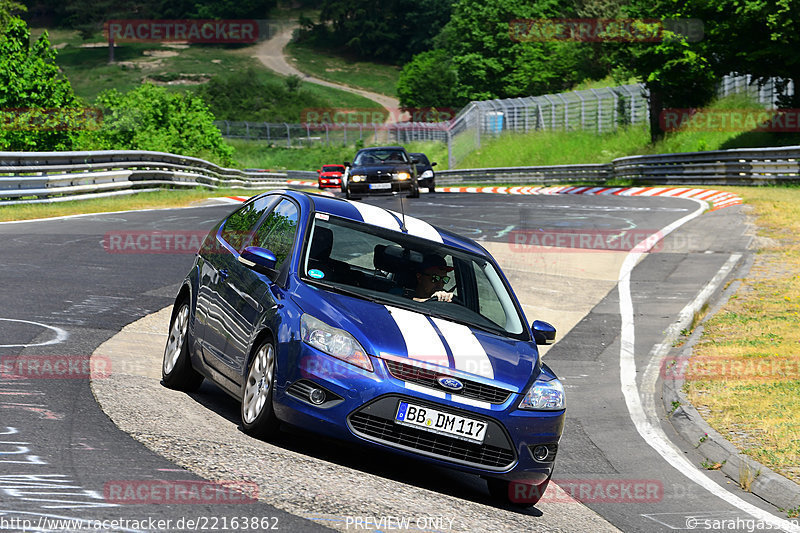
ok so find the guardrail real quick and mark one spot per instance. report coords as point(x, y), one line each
point(31, 177)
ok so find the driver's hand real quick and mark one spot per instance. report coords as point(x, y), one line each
point(443, 296)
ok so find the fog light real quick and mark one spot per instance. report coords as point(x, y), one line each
point(540, 453)
point(317, 396)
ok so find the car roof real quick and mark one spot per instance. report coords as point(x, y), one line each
point(370, 214)
point(373, 148)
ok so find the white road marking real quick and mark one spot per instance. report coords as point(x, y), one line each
point(645, 421)
point(61, 335)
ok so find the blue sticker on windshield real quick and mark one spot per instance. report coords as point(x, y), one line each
point(317, 274)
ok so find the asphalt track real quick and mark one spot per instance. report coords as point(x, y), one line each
point(64, 294)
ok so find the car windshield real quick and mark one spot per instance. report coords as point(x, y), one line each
point(377, 157)
point(422, 159)
point(389, 266)
point(332, 168)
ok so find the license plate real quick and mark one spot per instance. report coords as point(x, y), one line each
point(440, 422)
point(380, 186)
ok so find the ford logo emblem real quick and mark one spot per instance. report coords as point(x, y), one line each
point(450, 383)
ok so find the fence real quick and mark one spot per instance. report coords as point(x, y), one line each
point(59, 176)
point(303, 135)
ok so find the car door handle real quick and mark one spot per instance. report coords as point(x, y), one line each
point(223, 273)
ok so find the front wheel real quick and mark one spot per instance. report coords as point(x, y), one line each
point(432, 186)
point(176, 370)
point(414, 193)
point(347, 193)
point(258, 417)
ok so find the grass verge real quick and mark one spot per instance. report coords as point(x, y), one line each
point(748, 358)
point(262, 155)
point(571, 147)
point(179, 67)
point(338, 68)
point(146, 200)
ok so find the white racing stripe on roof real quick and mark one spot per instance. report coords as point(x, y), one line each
point(376, 216)
point(468, 353)
point(420, 228)
point(422, 341)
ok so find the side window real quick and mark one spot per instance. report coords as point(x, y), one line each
point(490, 307)
point(240, 224)
point(277, 231)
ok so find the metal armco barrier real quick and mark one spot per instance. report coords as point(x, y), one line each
point(745, 166)
point(30, 177)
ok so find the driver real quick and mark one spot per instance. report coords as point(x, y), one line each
point(431, 278)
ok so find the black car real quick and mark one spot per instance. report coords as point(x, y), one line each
point(387, 170)
point(425, 172)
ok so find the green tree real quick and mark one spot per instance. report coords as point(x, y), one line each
point(150, 118)
point(391, 31)
point(428, 80)
point(38, 106)
point(753, 37)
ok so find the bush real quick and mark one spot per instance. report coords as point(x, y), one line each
point(150, 118)
point(39, 109)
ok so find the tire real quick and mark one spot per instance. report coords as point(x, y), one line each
point(176, 369)
point(431, 187)
point(499, 490)
point(258, 416)
point(414, 193)
point(347, 193)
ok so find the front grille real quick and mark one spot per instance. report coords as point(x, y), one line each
point(441, 446)
point(422, 376)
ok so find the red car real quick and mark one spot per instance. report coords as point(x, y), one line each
point(330, 176)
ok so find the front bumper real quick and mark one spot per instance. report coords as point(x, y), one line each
point(325, 183)
point(363, 405)
point(364, 187)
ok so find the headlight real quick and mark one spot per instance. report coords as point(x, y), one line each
point(427, 174)
point(358, 177)
point(544, 396)
point(402, 176)
point(334, 342)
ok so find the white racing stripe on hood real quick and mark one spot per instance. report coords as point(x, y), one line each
point(425, 390)
point(420, 228)
point(376, 216)
point(468, 353)
point(469, 401)
point(422, 341)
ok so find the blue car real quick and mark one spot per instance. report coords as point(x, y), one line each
point(366, 325)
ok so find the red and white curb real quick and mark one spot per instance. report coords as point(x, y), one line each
point(717, 199)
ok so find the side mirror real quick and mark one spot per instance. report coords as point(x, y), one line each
point(543, 333)
point(261, 260)
point(415, 161)
point(434, 164)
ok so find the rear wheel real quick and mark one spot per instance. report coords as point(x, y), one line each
point(176, 370)
point(258, 417)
